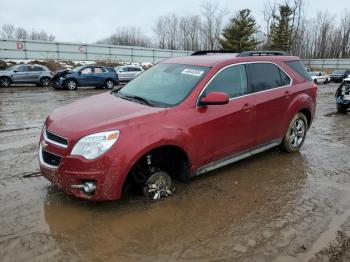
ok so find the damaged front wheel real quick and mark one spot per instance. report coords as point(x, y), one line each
point(158, 185)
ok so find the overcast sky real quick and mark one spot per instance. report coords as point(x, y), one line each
point(89, 21)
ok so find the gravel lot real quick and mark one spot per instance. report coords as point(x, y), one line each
point(270, 207)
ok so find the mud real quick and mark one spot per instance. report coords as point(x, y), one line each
point(270, 207)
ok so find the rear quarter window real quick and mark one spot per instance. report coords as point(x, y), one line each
point(299, 68)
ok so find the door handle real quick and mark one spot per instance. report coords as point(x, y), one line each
point(286, 94)
point(247, 107)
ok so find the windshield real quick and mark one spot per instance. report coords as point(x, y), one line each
point(77, 69)
point(165, 84)
point(339, 72)
point(313, 73)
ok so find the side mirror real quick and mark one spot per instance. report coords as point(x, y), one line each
point(214, 98)
point(15, 71)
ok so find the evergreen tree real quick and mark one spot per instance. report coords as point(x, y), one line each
point(239, 34)
point(282, 29)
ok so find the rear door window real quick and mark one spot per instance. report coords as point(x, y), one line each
point(99, 70)
point(232, 81)
point(36, 69)
point(265, 76)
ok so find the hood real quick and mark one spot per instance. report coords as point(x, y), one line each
point(95, 114)
point(61, 73)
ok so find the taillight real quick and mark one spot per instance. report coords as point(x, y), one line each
point(313, 90)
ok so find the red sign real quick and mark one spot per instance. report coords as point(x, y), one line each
point(20, 45)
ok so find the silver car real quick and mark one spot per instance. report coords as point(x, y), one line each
point(128, 72)
point(26, 74)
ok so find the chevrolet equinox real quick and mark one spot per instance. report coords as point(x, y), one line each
point(181, 118)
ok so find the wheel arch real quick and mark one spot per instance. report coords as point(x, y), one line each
point(166, 149)
point(303, 103)
point(8, 77)
point(307, 114)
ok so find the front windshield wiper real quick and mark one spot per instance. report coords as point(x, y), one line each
point(141, 99)
point(133, 98)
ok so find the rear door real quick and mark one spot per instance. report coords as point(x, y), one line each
point(135, 71)
point(272, 88)
point(126, 73)
point(225, 130)
point(34, 73)
point(99, 75)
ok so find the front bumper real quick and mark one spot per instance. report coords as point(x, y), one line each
point(342, 101)
point(58, 84)
point(74, 170)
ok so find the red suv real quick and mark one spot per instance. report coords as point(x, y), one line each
point(183, 117)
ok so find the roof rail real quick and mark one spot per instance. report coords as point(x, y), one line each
point(206, 52)
point(263, 53)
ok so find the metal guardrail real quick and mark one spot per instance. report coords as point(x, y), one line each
point(43, 50)
point(327, 63)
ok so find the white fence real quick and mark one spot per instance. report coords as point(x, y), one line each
point(43, 50)
point(327, 63)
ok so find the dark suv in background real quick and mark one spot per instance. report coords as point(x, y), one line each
point(26, 74)
point(339, 75)
point(97, 76)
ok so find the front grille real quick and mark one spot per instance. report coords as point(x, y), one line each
point(51, 159)
point(55, 138)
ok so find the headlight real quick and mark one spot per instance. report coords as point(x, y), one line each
point(92, 146)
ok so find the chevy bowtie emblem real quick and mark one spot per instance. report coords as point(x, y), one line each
point(43, 144)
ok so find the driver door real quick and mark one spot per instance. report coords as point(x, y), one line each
point(86, 77)
point(225, 130)
point(20, 74)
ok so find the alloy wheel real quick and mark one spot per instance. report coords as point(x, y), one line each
point(158, 185)
point(109, 84)
point(45, 82)
point(4, 82)
point(297, 133)
point(71, 85)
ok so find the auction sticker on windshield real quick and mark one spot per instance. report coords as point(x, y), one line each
point(192, 72)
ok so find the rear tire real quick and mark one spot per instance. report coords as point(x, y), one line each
point(342, 108)
point(45, 82)
point(294, 138)
point(109, 84)
point(5, 81)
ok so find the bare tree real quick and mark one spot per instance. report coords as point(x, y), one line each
point(160, 30)
point(11, 32)
point(345, 35)
point(129, 36)
point(7, 31)
point(213, 16)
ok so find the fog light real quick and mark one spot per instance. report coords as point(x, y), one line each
point(89, 187)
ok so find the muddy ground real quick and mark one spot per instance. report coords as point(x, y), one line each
point(270, 207)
